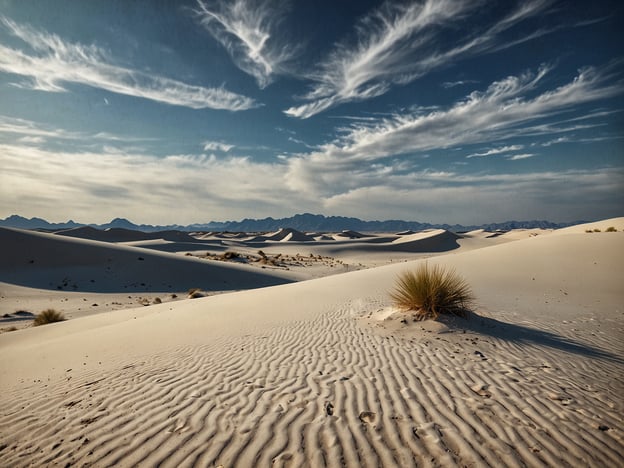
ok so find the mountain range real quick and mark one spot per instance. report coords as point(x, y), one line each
point(302, 222)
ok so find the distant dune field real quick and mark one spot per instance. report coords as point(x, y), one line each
point(301, 359)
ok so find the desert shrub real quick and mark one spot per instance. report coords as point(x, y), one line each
point(596, 230)
point(589, 230)
point(194, 293)
point(611, 229)
point(431, 291)
point(48, 316)
point(229, 255)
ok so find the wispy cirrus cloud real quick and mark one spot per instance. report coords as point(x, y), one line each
point(510, 108)
point(16, 126)
point(35, 133)
point(217, 146)
point(453, 84)
point(247, 29)
point(50, 62)
point(517, 157)
point(493, 151)
point(397, 44)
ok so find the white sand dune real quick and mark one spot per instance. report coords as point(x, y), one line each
point(617, 223)
point(349, 234)
point(288, 235)
point(305, 375)
point(438, 240)
point(49, 261)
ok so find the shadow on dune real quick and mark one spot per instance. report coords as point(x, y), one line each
point(48, 261)
point(525, 335)
point(18, 316)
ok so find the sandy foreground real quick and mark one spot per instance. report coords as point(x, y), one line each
point(272, 370)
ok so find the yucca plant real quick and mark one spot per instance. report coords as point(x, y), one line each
point(48, 316)
point(431, 291)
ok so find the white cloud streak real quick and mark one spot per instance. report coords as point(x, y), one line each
point(503, 149)
point(453, 84)
point(15, 126)
point(517, 157)
point(52, 62)
point(35, 133)
point(217, 146)
point(247, 28)
point(397, 44)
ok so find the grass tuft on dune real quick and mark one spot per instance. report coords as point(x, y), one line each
point(431, 291)
point(48, 316)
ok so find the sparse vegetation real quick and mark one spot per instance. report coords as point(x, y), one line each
point(48, 316)
point(229, 255)
point(596, 230)
point(194, 293)
point(611, 229)
point(431, 291)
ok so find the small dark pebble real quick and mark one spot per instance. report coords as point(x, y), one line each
point(329, 409)
point(603, 428)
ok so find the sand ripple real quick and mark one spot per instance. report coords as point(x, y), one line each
point(327, 392)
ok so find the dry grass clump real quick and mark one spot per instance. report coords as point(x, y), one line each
point(48, 316)
point(431, 291)
point(195, 293)
point(611, 229)
point(230, 255)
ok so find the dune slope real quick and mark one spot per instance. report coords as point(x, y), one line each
point(48, 261)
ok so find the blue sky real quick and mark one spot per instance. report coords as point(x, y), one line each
point(456, 111)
